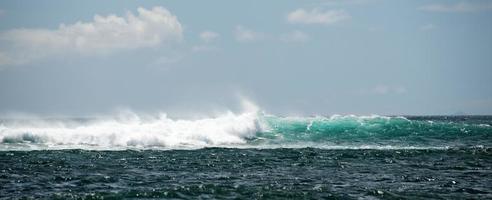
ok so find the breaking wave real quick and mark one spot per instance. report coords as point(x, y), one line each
point(250, 129)
point(135, 132)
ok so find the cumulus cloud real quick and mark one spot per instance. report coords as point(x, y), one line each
point(243, 34)
point(294, 37)
point(317, 16)
point(457, 7)
point(105, 34)
point(208, 36)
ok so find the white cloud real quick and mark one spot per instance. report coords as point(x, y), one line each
point(208, 36)
point(427, 27)
point(243, 34)
point(457, 7)
point(105, 34)
point(294, 36)
point(317, 16)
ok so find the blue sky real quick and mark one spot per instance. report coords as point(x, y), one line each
point(320, 57)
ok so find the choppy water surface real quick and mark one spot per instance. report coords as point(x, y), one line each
point(248, 156)
point(247, 173)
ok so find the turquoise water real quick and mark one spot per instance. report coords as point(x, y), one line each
point(245, 156)
point(378, 131)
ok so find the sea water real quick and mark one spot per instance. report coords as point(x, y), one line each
point(251, 155)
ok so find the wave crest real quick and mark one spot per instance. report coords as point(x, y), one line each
point(135, 131)
point(248, 129)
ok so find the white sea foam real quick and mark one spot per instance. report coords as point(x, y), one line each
point(248, 129)
point(134, 131)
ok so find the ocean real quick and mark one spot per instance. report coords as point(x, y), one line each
point(251, 155)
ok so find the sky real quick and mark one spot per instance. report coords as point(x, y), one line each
point(289, 57)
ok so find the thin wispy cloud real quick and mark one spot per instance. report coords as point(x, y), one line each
point(427, 27)
point(208, 36)
point(317, 16)
point(165, 62)
point(346, 2)
point(243, 34)
point(204, 48)
point(384, 89)
point(460, 7)
point(103, 35)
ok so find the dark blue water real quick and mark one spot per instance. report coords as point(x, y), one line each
point(301, 158)
point(247, 173)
